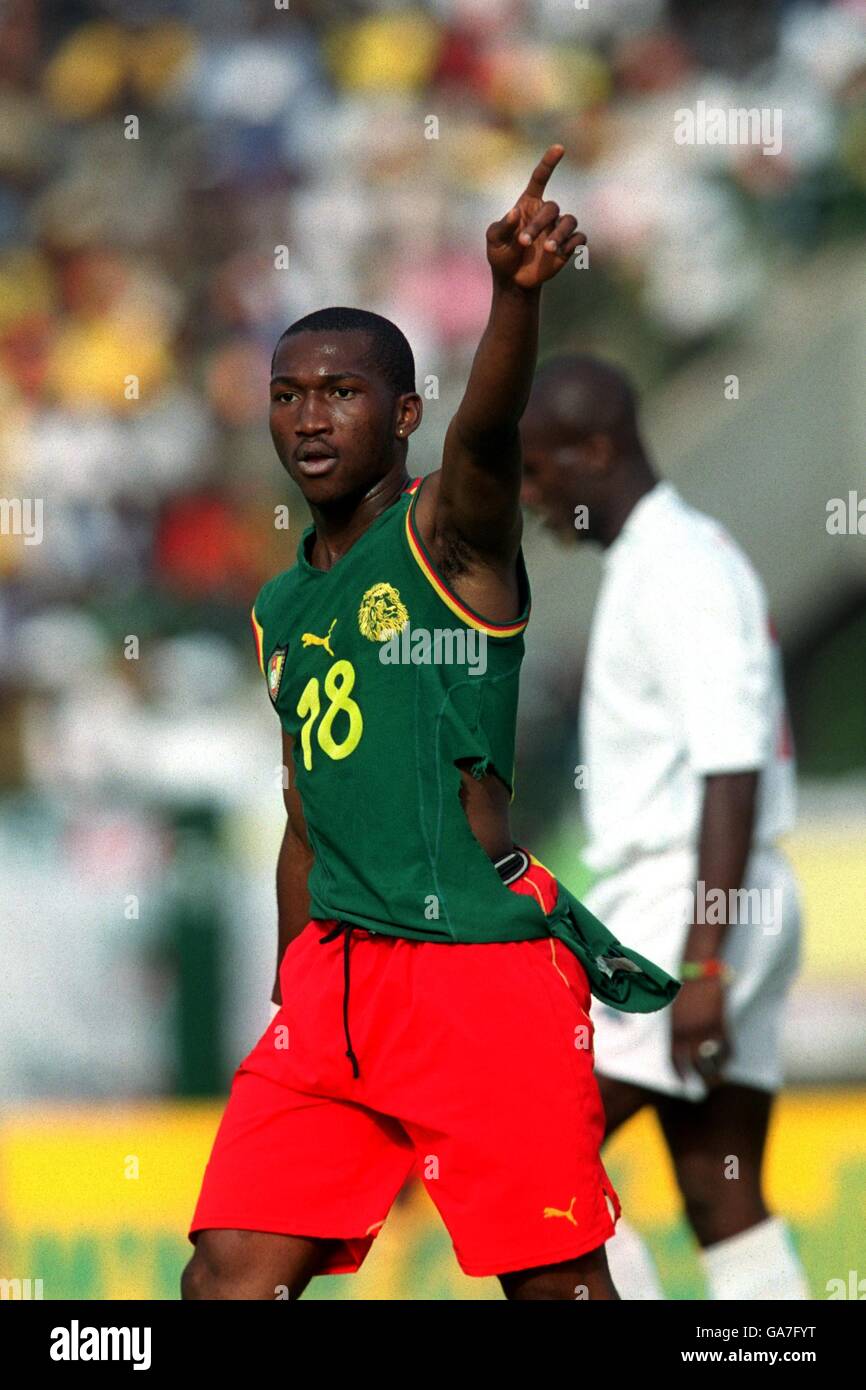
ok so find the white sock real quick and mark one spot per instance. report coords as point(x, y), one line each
point(632, 1268)
point(759, 1263)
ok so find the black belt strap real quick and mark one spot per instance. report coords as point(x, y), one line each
point(512, 866)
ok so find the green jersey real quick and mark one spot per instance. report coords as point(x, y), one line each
point(389, 684)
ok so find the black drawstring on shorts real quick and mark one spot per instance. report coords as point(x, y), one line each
point(346, 929)
point(509, 868)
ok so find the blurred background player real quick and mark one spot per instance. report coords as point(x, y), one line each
point(690, 782)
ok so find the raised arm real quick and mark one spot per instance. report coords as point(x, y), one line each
point(477, 502)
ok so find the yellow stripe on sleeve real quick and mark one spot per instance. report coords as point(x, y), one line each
point(259, 636)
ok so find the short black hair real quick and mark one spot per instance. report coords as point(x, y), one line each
point(390, 350)
point(588, 395)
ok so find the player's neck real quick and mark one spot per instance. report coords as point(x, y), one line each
point(340, 524)
point(623, 502)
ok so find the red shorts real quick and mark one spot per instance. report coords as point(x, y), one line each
point(476, 1071)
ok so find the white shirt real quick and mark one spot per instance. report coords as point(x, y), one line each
point(683, 679)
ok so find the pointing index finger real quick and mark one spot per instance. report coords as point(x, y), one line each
point(543, 170)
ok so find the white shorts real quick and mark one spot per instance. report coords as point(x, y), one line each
point(648, 907)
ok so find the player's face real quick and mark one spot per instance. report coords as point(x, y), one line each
point(557, 478)
point(332, 416)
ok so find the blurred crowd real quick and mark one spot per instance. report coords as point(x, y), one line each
point(183, 178)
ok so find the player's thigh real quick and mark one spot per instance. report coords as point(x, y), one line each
point(621, 1100)
point(258, 1265)
point(287, 1163)
point(582, 1279)
point(507, 1123)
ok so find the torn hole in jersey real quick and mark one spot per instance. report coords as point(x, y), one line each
point(479, 767)
point(487, 808)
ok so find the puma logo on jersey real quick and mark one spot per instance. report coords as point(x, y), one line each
point(569, 1214)
point(309, 639)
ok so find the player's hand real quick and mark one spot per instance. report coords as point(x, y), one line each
point(699, 1040)
point(533, 242)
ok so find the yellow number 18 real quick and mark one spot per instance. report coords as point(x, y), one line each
point(338, 687)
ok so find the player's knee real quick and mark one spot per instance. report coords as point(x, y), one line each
point(702, 1188)
point(717, 1206)
point(211, 1273)
point(702, 1215)
point(195, 1281)
point(587, 1277)
point(537, 1285)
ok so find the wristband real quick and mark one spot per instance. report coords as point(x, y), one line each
point(713, 969)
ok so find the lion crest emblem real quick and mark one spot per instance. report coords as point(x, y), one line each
point(382, 614)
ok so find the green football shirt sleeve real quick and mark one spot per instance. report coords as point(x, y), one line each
point(260, 619)
point(271, 662)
